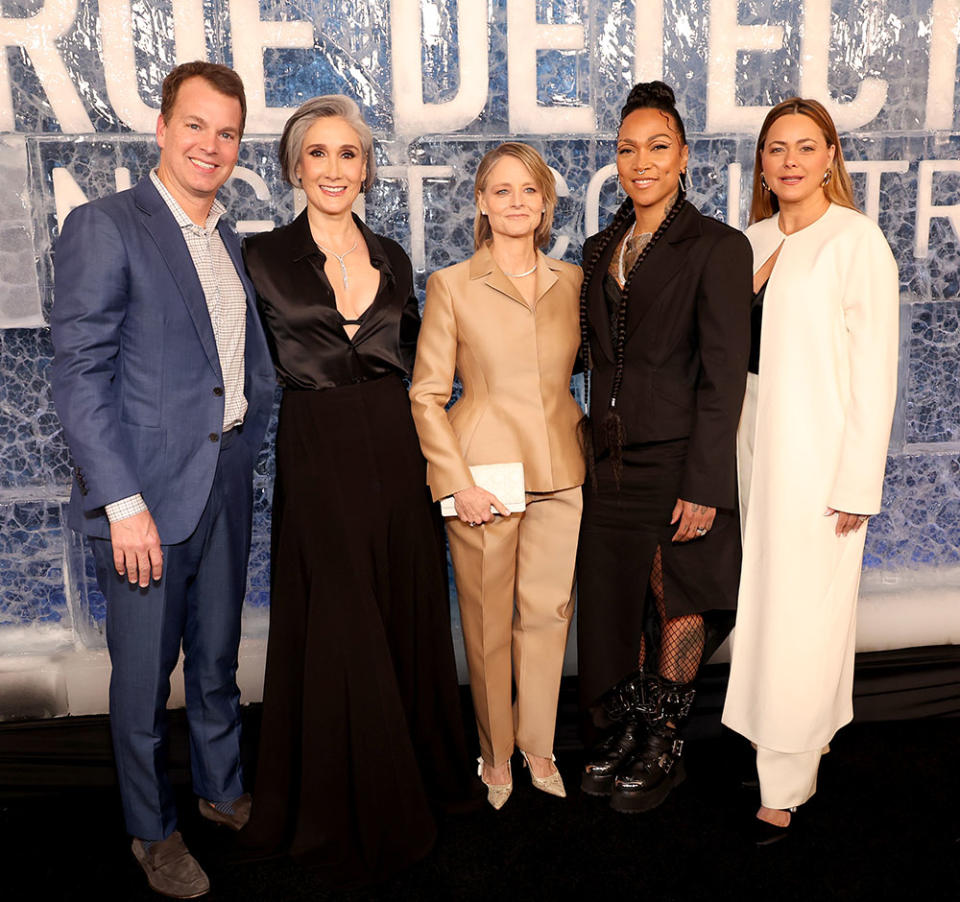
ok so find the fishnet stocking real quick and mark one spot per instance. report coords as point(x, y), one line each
point(682, 639)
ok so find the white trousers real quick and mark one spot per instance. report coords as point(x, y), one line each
point(787, 779)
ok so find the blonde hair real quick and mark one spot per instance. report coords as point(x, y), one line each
point(838, 189)
point(539, 172)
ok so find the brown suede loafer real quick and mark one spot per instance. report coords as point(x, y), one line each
point(170, 868)
point(235, 821)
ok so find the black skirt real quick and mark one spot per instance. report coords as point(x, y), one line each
point(362, 735)
point(620, 532)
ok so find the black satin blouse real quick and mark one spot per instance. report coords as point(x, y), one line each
point(756, 323)
point(309, 346)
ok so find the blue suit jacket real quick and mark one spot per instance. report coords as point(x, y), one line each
point(136, 375)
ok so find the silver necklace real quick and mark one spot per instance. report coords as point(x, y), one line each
point(520, 275)
point(343, 266)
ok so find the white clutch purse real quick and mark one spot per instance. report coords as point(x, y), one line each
point(503, 480)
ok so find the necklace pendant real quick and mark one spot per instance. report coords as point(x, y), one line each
point(343, 266)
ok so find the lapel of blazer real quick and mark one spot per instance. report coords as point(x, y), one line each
point(163, 228)
point(664, 261)
point(232, 243)
point(547, 277)
point(255, 343)
point(596, 302)
point(482, 266)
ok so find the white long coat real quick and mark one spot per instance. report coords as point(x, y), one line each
point(823, 406)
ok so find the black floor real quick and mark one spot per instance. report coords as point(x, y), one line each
point(884, 825)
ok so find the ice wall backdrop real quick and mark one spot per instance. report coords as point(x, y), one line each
point(441, 81)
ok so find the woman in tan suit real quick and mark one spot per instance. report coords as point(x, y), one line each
point(506, 321)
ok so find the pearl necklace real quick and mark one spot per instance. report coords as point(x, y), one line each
point(343, 266)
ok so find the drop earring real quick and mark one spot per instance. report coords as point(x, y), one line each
point(763, 183)
point(827, 176)
point(683, 181)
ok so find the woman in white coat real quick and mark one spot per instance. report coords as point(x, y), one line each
point(812, 449)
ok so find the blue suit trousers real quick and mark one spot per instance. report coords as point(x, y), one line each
point(197, 602)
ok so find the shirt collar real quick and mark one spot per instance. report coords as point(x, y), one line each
point(185, 222)
point(482, 262)
point(302, 243)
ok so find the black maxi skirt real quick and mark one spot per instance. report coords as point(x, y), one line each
point(362, 736)
point(619, 535)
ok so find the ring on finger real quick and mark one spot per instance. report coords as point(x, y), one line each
point(701, 531)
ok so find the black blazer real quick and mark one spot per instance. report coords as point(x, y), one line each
point(687, 348)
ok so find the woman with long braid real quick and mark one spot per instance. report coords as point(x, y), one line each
point(665, 323)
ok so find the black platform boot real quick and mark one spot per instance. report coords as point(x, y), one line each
point(608, 756)
point(643, 782)
point(627, 706)
point(619, 700)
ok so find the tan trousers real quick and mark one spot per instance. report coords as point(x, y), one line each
point(514, 580)
point(787, 779)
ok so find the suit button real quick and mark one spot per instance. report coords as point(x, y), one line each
point(214, 437)
point(218, 391)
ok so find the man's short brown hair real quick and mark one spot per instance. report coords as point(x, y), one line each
point(220, 77)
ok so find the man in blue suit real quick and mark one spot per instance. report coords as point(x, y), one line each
point(163, 382)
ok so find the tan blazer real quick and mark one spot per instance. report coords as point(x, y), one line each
point(515, 365)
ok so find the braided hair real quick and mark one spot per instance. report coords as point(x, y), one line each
point(645, 95)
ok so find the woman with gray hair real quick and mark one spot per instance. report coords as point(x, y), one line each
point(362, 732)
